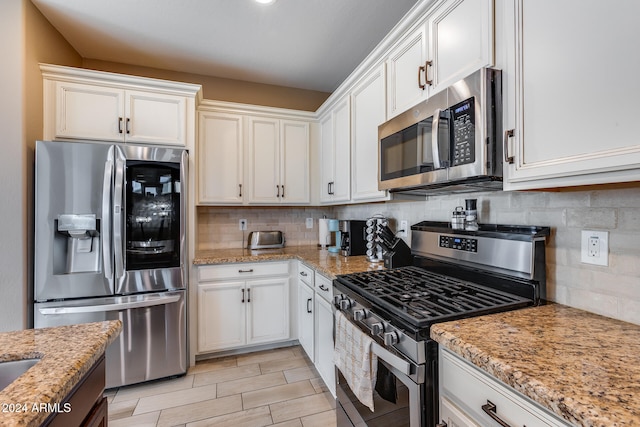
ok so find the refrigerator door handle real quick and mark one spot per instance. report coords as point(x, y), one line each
point(118, 212)
point(148, 301)
point(107, 187)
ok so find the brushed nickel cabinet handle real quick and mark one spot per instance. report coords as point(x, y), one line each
point(491, 410)
point(509, 133)
point(421, 70)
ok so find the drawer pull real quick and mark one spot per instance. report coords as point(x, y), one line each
point(324, 288)
point(303, 274)
point(490, 409)
point(246, 271)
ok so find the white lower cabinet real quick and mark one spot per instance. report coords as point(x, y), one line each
point(306, 310)
point(324, 331)
point(242, 304)
point(469, 397)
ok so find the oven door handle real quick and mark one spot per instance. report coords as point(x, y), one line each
point(391, 359)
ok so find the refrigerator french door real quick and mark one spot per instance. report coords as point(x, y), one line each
point(110, 244)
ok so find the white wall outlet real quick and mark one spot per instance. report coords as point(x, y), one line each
point(309, 222)
point(403, 229)
point(242, 224)
point(594, 247)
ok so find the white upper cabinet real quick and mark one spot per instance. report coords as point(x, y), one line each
point(279, 161)
point(461, 40)
point(455, 40)
point(407, 72)
point(570, 92)
point(335, 154)
point(93, 105)
point(220, 158)
point(367, 113)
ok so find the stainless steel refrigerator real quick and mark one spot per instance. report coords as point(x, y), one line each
point(110, 243)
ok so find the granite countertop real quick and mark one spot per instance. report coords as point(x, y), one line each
point(329, 264)
point(583, 367)
point(67, 353)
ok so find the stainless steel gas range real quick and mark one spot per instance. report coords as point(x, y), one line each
point(455, 274)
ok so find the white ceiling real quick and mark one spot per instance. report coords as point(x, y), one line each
point(309, 44)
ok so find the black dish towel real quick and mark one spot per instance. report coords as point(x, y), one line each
point(386, 384)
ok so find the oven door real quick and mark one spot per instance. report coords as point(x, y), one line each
point(409, 407)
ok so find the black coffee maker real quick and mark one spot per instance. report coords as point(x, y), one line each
point(353, 237)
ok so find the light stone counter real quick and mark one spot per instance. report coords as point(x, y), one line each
point(67, 353)
point(581, 366)
point(327, 263)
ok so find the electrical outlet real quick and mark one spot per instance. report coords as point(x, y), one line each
point(403, 230)
point(595, 247)
point(309, 222)
point(242, 224)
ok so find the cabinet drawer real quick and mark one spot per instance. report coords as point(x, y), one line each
point(305, 274)
point(242, 270)
point(324, 287)
point(470, 388)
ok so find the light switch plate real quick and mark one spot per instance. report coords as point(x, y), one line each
point(594, 247)
point(402, 230)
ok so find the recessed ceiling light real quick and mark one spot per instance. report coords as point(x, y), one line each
point(266, 1)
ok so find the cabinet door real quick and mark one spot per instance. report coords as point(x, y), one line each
point(367, 112)
point(154, 118)
point(406, 73)
point(461, 38)
point(326, 158)
point(451, 416)
point(305, 318)
point(264, 160)
point(267, 310)
point(220, 157)
point(89, 112)
point(294, 162)
point(221, 315)
point(324, 343)
point(568, 93)
point(342, 152)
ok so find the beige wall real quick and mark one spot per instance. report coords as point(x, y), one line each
point(25, 39)
point(229, 90)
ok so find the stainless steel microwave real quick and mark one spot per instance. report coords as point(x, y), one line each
point(448, 142)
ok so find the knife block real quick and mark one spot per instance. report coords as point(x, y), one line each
point(398, 256)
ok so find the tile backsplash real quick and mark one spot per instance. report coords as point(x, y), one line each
point(612, 291)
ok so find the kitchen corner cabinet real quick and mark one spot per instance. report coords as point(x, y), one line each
point(278, 161)
point(94, 105)
point(468, 395)
point(220, 158)
point(570, 93)
point(335, 150)
point(242, 304)
point(367, 113)
point(456, 39)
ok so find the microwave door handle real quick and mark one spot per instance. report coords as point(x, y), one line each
point(435, 146)
point(118, 212)
point(106, 226)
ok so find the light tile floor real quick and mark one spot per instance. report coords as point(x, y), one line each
point(269, 388)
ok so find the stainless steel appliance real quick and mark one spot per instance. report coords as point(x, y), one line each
point(448, 141)
point(353, 240)
point(110, 243)
point(455, 274)
point(265, 240)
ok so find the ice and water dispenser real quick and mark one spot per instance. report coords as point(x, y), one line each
point(77, 244)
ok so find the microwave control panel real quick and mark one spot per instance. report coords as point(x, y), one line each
point(459, 243)
point(463, 132)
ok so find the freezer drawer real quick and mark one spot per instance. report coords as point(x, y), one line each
point(153, 340)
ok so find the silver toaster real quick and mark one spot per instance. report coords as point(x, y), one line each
point(265, 240)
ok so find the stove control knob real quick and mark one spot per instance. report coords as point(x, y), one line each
point(390, 338)
point(377, 328)
point(336, 300)
point(359, 315)
point(345, 304)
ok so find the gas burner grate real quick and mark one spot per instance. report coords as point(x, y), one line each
point(423, 297)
